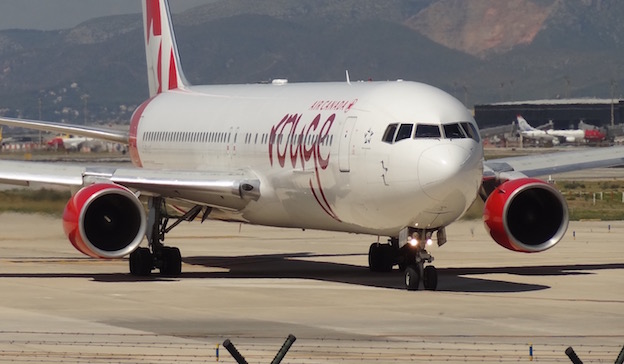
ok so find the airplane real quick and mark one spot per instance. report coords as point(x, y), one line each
point(527, 131)
point(594, 135)
point(568, 135)
point(69, 142)
point(395, 159)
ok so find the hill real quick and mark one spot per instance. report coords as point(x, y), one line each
point(479, 50)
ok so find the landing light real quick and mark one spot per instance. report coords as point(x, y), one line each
point(429, 242)
point(413, 242)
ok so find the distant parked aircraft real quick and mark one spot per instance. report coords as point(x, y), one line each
point(567, 135)
point(69, 142)
point(530, 132)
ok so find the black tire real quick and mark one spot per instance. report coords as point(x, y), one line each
point(430, 278)
point(412, 278)
point(171, 262)
point(380, 257)
point(141, 262)
point(373, 257)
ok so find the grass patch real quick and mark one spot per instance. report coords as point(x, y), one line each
point(27, 201)
point(579, 196)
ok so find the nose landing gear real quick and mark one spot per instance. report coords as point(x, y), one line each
point(417, 271)
point(408, 251)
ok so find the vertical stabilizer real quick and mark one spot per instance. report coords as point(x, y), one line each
point(164, 71)
point(523, 125)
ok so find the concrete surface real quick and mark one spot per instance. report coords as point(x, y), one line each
point(256, 285)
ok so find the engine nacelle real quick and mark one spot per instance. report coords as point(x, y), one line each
point(526, 215)
point(104, 221)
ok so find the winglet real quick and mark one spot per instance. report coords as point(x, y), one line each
point(164, 71)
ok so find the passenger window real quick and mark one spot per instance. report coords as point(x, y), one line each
point(405, 132)
point(453, 131)
point(388, 136)
point(427, 131)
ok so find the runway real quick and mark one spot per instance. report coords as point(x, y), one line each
point(256, 285)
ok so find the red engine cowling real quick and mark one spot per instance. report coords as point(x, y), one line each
point(104, 221)
point(526, 215)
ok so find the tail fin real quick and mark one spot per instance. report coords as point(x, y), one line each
point(523, 125)
point(164, 71)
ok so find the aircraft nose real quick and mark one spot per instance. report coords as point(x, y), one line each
point(444, 169)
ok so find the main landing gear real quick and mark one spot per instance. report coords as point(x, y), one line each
point(409, 253)
point(158, 256)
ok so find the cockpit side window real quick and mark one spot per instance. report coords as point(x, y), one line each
point(405, 132)
point(471, 130)
point(454, 131)
point(388, 136)
point(427, 131)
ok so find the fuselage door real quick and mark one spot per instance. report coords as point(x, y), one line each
point(231, 140)
point(345, 147)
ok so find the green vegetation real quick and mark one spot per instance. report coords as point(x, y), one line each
point(44, 201)
point(608, 203)
point(579, 195)
point(600, 200)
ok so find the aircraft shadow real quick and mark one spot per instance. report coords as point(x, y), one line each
point(473, 279)
point(308, 266)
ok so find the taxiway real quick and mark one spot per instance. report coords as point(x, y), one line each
point(256, 285)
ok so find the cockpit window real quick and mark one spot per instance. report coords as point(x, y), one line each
point(427, 131)
point(388, 136)
point(471, 130)
point(405, 132)
point(454, 131)
point(462, 130)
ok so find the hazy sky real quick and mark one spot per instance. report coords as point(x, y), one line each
point(61, 14)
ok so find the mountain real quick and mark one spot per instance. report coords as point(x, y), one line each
point(481, 51)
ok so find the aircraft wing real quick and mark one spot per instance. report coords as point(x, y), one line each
point(551, 163)
point(230, 190)
point(115, 136)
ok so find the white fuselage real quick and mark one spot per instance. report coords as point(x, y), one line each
point(318, 151)
point(569, 135)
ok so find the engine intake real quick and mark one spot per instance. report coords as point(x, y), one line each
point(104, 221)
point(526, 215)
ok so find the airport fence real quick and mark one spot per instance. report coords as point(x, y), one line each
point(80, 347)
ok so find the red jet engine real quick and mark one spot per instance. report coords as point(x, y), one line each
point(105, 221)
point(526, 215)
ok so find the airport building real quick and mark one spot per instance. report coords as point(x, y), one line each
point(563, 114)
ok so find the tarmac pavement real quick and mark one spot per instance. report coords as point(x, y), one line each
point(256, 285)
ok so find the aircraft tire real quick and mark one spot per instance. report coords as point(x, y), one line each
point(171, 262)
point(430, 278)
point(141, 262)
point(412, 278)
point(380, 257)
